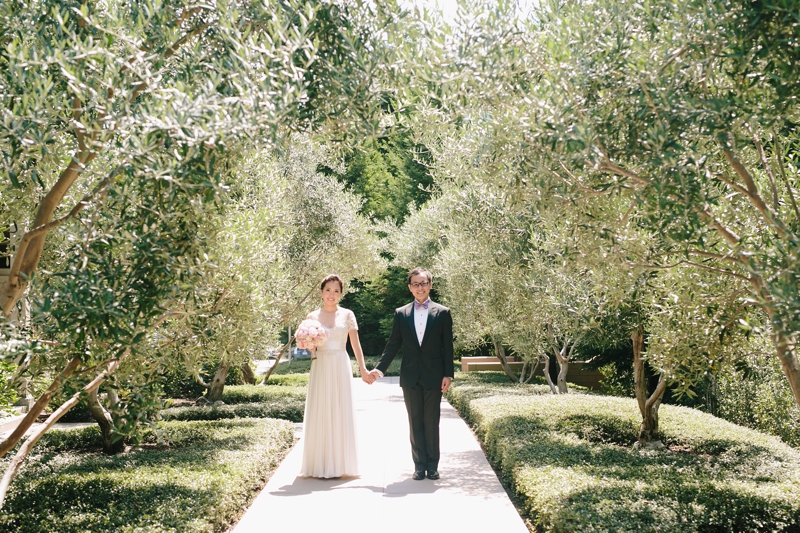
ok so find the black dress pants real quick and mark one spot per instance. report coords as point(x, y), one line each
point(424, 409)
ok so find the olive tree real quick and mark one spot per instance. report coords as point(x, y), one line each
point(286, 228)
point(119, 122)
point(686, 110)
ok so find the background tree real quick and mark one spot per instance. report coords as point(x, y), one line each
point(287, 228)
point(699, 146)
point(391, 174)
point(136, 110)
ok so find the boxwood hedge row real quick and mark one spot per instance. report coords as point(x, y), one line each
point(571, 461)
point(287, 409)
point(263, 393)
point(200, 483)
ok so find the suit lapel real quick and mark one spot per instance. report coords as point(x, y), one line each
point(410, 321)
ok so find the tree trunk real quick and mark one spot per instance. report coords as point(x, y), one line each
point(500, 352)
point(563, 368)
point(214, 392)
point(648, 406)
point(30, 247)
point(37, 408)
point(36, 434)
point(786, 350)
point(112, 442)
point(533, 369)
point(546, 360)
point(247, 373)
point(277, 360)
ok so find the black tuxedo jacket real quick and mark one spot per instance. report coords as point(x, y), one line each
point(427, 363)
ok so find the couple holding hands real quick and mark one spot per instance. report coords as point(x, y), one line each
point(424, 331)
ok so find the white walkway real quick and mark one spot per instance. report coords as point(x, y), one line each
point(468, 498)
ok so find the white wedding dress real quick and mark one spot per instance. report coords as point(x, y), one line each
point(329, 426)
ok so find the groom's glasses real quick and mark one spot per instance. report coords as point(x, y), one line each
point(420, 285)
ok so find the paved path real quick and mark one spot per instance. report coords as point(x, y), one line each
point(468, 498)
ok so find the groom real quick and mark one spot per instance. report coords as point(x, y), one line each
point(424, 329)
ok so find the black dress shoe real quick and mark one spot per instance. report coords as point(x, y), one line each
point(419, 474)
point(433, 474)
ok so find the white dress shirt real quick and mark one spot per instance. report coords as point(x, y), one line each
point(421, 320)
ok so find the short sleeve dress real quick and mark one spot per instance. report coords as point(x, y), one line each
point(329, 428)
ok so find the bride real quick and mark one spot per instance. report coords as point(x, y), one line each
point(329, 443)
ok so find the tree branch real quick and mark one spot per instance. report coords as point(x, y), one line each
point(608, 166)
point(656, 396)
point(690, 263)
point(769, 215)
point(735, 186)
point(37, 408)
point(715, 256)
point(33, 240)
point(679, 52)
point(768, 169)
point(576, 182)
point(727, 234)
point(277, 360)
point(779, 157)
point(718, 270)
point(26, 447)
point(80, 129)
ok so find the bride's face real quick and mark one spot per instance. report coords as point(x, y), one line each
point(331, 293)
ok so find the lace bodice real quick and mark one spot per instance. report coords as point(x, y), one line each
point(337, 336)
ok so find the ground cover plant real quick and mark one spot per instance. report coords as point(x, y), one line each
point(285, 401)
point(192, 477)
point(571, 461)
point(286, 409)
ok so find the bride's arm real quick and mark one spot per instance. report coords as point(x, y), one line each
point(362, 367)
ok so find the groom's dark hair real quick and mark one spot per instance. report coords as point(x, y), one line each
point(419, 271)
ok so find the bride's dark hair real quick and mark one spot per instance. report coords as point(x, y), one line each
point(328, 279)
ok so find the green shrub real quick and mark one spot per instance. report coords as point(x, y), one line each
point(754, 393)
point(570, 460)
point(290, 380)
point(179, 382)
point(261, 394)
point(83, 438)
point(8, 393)
point(287, 408)
point(200, 484)
point(295, 366)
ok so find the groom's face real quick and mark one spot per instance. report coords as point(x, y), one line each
point(420, 287)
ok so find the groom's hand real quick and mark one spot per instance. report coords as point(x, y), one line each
point(446, 383)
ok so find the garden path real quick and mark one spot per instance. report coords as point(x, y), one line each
point(468, 497)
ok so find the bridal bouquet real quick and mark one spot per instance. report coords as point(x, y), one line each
point(310, 334)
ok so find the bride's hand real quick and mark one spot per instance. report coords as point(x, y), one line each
point(367, 377)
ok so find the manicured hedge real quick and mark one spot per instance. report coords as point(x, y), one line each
point(58, 440)
point(290, 380)
point(287, 408)
point(262, 394)
point(571, 461)
point(200, 483)
point(247, 401)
